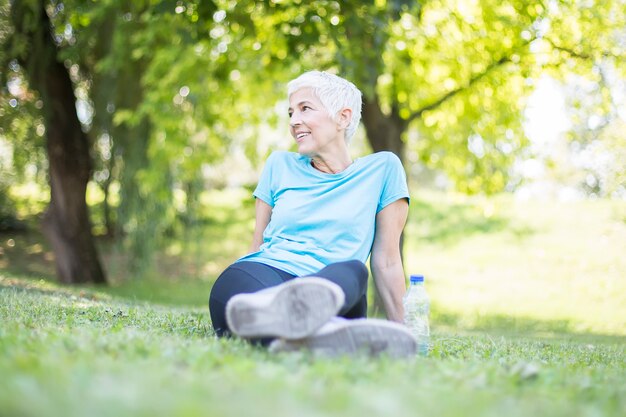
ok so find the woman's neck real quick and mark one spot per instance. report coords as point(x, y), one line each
point(331, 165)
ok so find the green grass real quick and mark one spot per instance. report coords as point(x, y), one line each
point(528, 318)
point(513, 266)
point(67, 354)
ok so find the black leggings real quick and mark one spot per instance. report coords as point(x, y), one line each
point(247, 277)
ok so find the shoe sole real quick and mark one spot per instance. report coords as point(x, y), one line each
point(370, 337)
point(297, 310)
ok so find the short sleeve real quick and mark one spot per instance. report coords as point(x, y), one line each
point(263, 189)
point(395, 186)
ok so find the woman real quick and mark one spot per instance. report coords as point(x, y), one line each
point(319, 216)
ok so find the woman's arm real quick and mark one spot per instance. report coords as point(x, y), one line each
point(262, 219)
point(386, 262)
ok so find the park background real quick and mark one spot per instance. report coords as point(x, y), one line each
point(152, 120)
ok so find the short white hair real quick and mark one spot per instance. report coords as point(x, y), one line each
point(334, 92)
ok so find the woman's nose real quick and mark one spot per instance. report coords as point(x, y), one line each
point(294, 120)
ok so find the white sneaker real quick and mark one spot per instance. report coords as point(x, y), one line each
point(291, 310)
point(372, 337)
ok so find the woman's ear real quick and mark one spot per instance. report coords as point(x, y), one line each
point(343, 118)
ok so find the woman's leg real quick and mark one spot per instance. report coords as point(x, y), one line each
point(351, 276)
point(240, 277)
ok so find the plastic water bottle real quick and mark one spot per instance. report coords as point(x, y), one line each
point(416, 311)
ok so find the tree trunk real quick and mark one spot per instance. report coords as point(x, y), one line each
point(103, 88)
point(66, 222)
point(384, 132)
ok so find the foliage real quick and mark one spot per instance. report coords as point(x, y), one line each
point(457, 70)
point(22, 152)
point(594, 85)
point(596, 144)
point(186, 113)
point(451, 76)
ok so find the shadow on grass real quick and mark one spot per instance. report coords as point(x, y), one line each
point(194, 293)
point(511, 326)
point(27, 283)
point(27, 253)
point(448, 222)
point(190, 292)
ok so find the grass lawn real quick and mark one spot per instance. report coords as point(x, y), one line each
point(528, 318)
point(529, 267)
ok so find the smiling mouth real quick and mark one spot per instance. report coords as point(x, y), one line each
point(301, 135)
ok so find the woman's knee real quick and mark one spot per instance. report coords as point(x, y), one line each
point(230, 282)
point(221, 287)
point(356, 269)
point(359, 268)
point(244, 277)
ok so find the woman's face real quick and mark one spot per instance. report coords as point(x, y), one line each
point(310, 124)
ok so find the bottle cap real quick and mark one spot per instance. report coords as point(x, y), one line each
point(417, 278)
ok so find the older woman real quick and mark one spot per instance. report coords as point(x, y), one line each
point(319, 215)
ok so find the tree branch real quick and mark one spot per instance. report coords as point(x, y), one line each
point(477, 77)
point(581, 55)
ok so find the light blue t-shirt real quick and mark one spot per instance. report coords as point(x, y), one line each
point(318, 218)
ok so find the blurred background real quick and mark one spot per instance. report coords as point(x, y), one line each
point(133, 132)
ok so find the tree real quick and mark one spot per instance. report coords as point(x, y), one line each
point(424, 67)
point(66, 223)
point(590, 39)
point(446, 80)
point(155, 78)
